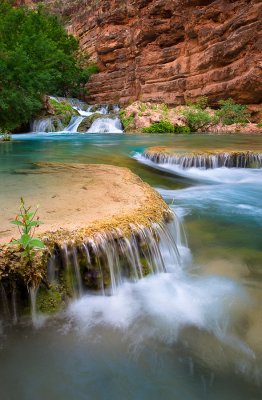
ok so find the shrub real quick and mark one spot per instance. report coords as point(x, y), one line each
point(259, 124)
point(37, 57)
point(198, 119)
point(232, 113)
point(163, 126)
point(200, 103)
point(182, 129)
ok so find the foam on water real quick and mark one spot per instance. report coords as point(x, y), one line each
point(159, 307)
point(106, 125)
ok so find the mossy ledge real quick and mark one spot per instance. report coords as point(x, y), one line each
point(211, 158)
point(130, 204)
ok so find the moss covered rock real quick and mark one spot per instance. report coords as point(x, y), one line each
point(88, 121)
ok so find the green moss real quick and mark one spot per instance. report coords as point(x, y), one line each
point(50, 300)
point(145, 267)
point(128, 121)
point(87, 122)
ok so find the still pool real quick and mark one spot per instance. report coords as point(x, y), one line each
point(190, 334)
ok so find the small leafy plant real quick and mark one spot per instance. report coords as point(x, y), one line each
point(27, 222)
point(5, 136)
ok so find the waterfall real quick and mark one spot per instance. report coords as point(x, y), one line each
point(244, 159)
point(46, 125)
point(33, 296)
point(106, 125)
point(74, 124)
point(103, 125)
point(102, 263)
point(108, 259)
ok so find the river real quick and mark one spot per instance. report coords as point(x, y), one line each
point(191, 333)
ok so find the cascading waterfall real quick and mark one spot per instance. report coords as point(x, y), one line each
point(74, 124)
point(245, 159)
point(46, 125)
point(102, 263)
point(106, 125)
point(107, 260)
point(102, 125)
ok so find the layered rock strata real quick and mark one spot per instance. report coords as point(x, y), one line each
point(172, 51)
point(169, 50)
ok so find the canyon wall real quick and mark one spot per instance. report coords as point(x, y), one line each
point(170, 50)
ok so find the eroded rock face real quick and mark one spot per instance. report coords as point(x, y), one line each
point(170, 50)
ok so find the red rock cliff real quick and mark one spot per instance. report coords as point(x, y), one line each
point(170, 50)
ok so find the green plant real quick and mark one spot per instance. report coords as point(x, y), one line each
point(38, 57)
point(232, 113)
point(163, 126)
point(26, 224)
point(182, 129)
point(142, 107)
point(200, 103)
point(259, 124)
point(198, 119)
point(165, 108)
point(128, 121)
point(6, 136)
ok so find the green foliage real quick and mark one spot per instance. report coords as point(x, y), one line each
point(182, 129)
point(142, 107)
point(37, 57)
point(26, 225)
point(128, 121)
point(259, 124)
point(197, 119)
point(62, 110)
point(200, 103)
point(5, 136)
point(232, 113)
point(163, 126)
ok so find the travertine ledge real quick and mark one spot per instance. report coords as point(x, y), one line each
point(208, 158)
point(81, 200)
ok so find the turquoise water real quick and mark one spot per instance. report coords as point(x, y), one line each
point(193, 337)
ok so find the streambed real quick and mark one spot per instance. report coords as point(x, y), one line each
point(193, 332)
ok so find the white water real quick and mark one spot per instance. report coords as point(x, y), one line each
point(103, 125)
point(162, 305)
point(215, 175)
point(74, 124)
point(45, 125)
point(106, 125)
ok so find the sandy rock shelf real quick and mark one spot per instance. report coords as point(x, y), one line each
point(78, 201)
